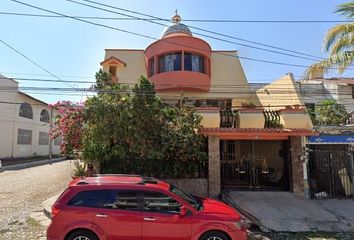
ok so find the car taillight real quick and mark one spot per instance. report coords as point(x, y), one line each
point(55, 211)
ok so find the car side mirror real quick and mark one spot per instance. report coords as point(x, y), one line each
point(183, 211)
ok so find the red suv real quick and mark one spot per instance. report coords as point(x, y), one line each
point(137, 208)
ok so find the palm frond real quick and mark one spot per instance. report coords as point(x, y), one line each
point(346, 10)
point(337, 32)
point(340, 61)
point(346, 43)
point(317, 69)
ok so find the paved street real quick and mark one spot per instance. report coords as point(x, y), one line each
point(301, 236)
point(22, 192)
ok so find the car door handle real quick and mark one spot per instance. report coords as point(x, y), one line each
point(149, 219)
point(101, 215)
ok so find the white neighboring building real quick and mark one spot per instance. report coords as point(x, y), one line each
point(24, 123)
point(316, 90)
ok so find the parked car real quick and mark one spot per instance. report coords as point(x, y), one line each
point(133, 207)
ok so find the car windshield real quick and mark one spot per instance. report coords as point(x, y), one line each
point(187, 197)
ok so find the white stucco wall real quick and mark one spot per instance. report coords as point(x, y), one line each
point(10, 122)
point(313, 91)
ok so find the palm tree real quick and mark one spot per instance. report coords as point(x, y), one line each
point(339, 43)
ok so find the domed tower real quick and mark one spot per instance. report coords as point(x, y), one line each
point(179, 61)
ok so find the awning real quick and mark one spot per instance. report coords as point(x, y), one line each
point(332, 139)
point(256, 133)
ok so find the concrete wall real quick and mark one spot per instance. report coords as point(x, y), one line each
point(7, 117)
point(345, 97)
point(196, 186)
point(214, 167)
point(279, 93)
point(314, 91)
point(135, 64)
point(10, 122)
point(285, 92)
point(296, 173)
point(228, 80)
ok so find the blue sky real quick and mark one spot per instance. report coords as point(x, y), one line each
point(66, 47)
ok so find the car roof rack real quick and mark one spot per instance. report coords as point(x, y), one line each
point(117, 175)
point(143, 181)
point(151, 180)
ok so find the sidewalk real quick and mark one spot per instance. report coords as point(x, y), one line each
point(43, 216)
point(32, 163)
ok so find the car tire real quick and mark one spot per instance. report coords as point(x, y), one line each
point(214, 235)
point(82, 235)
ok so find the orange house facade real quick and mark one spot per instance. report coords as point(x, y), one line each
point(254, 143)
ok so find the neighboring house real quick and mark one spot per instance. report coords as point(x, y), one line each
point(24, 123)
point(330, 165)
point(313, 91)
point(255, 142)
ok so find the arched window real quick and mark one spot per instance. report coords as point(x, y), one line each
point(44, 116)
point(26, 110)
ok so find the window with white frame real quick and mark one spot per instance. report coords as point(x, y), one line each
point(24, 137)
point(43, 138)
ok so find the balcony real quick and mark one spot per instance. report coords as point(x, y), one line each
point(255, 118)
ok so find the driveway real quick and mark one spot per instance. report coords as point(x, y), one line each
point(288, 212)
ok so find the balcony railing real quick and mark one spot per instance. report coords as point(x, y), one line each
point(229, 119)
point(232, 118)
point(272, 119)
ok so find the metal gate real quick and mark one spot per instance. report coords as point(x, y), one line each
point(330, 170)
point(254, 165)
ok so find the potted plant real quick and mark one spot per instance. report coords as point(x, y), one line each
point(79, 170)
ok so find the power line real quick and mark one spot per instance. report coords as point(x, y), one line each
point(38, 65)
point(228, 85)
point(238, 90)
point(185, 20)
point(48, 80)
point(45, 75)
point(200, 29)
point(165, 40)
point(198, 110)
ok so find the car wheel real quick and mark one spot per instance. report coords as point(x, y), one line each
point(82, 235)
point(214, 235)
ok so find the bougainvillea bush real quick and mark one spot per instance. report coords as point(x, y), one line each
point(69, 125)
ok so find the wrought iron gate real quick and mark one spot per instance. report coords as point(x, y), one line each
point(254, 165)
point(330, 171)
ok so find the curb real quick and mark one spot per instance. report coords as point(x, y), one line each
point(31, 164)
point(43, 217)
point(250, 220)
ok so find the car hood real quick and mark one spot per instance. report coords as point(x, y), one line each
point(211, 206)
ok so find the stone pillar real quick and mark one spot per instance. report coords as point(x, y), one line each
point(297, 169)
point(214, 167)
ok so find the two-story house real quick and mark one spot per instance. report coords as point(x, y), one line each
point(24, 123)
point(330, 164)
point(254, 142)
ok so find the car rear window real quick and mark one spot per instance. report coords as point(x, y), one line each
point(111, 199)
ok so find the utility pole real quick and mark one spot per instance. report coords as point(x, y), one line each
point(50, 130)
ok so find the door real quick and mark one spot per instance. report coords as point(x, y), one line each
point(161, 219)
point(253, 165)
point(117, 215)
point(330, 171)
